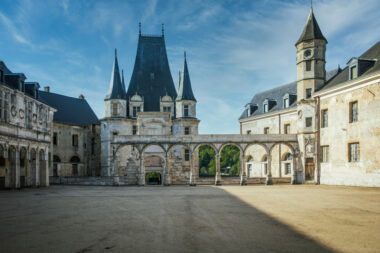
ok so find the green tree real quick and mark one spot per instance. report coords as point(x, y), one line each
point(230, 157)
point(206, 161)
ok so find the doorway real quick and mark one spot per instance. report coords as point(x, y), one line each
point(153, 178)
point(309, 169)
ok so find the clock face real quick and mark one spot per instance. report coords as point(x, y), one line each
point(308, 53)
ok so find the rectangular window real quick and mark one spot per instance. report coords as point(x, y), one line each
point(353, 155)
point(75, 140)
point(135, 109)
point(167, 109)
point(325, 119)
point(286, 102)
point(187, 130)
point(308, 93)
point(186, 111)
point(309, 121)
point(353, 72)
point(187, 155)
point(308, 65)
point(171, 129)
point(265, 107)
point(325, 154)
point(353, 111)
point(134, 130)
point(55, 138)
point(287, 129)
point(266, 130)
point(288, 168)
point(248, 131)
point(114, 109)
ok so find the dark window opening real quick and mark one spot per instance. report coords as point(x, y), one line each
point(309, 121)
point(308, 65)
point(55, 138)
point(75, 140)
point(187, 155)
point(134, 130)
point(325, 118)
point(353, 111)
point(354, 152)
point(186, 111)
point(287, 129)
point(308, 93)
point(187, 130)
point(266, 130)
point(136, 109)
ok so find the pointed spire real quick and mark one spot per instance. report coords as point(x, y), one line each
point(185, 91)
point(139, 28)
point(311, 30)
point(122, 80)
point(116, 90)
point(163, 29)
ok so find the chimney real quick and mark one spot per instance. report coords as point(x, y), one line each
point(47, 89)
point(81, 96)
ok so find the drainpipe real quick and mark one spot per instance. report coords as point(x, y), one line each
point(318, 138)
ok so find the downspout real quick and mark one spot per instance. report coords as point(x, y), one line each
point(318, 138)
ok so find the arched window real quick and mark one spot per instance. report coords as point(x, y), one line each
point(287, 157)
point(250, 159)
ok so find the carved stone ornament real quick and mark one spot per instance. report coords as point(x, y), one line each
point(21, 113)
point(34, 118)
point(309, 146)
point(13, 111)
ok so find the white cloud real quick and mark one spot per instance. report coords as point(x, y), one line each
point(13, 30)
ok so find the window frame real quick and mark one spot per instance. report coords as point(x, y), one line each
point(308, 65)
point(309, 92)
point(186, 110)
point(187, 155)
point(325, 153)
point(356, 157)
point(354, 117)
point(286, 130)
point(75, 140)
point(307, 121)
point(187, 130)
point(134, 130)
point(324, 118)
point(114, 109)
point(135, 110)
point(55, 138)
point(266, 130)
point(286, 102)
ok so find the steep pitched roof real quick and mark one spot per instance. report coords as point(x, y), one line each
point(151, 77)
point(116, 90)
point(311, 30)
point(277, 95)
point(122, 80)
point(70, 110)
point(185, 91)
point(372, 53)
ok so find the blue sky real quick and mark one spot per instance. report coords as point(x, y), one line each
point(234, 48)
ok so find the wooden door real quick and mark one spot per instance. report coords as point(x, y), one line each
point(309, 169)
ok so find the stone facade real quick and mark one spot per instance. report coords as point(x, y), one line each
point(25, 130)
point(334, 115)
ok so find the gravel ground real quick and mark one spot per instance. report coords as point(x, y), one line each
point(280, 218)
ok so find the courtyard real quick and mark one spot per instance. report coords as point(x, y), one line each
point(278, 218)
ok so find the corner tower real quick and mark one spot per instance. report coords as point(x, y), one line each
point(311, 50)
point(115, 99)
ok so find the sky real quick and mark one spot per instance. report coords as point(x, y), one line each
point(235, 49)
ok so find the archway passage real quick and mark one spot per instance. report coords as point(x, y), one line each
point(230, 161)
point(153, 178)
point(207, 164)
point(74, 163)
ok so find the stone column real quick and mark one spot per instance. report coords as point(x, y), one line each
point(165, 179)
point(7, 170)
point(17, 169)
point(141, 180)
point(294, 169)
point(192, 176)
point(45, 179)
point(243, 175)
point(218, 177)
point(269, 172)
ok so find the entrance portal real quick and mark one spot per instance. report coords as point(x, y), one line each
point(153, 178)
point(309, 169)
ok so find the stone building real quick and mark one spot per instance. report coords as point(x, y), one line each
point(25, 132)
point(75, 136)
point(150, 106)
point(334, 114)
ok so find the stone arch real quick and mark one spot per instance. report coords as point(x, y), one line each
point(257, 168)
point(180, 152)
point(152, 144)
point(203, 171)
point(282, 143)
point(228, 144)
point(12, 166)
point(24, 170)
point(249, 159)
point(286, 156)
point(56, 165)
point(277, 152)
point(229, 171)
point(33, 167)
point(208, 144)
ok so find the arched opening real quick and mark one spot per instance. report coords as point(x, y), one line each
point(287, 164)
point(2, 168)
point(23, 167)
point(153, 178)
point(33, 168)
point(56, 165)
point(43, 169)
point(74, 165)
point(12, 166)
point(279, 152)
point(230, 161)
point(179, 164)
point(264, 162)
point(153, 161)
point(206, 157)
point(255, 155)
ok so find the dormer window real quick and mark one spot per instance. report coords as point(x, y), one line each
point(1, 76)
point(265, 107)
point(167, 109)
point(251, 108)
point(136, 109)
point(114, 109)
point(286, 102)
point(353, 72)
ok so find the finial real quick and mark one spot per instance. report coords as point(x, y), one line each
point(184, 54)
point(115, 52)
point(163, 29)
point(311, 4)
point(140, 28)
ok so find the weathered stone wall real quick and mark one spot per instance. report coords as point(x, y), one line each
point(340, 132)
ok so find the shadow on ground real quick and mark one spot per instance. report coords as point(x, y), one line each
point(140, 219)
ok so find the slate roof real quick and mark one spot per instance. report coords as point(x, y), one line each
point(277, 95)
point(311, 30)
point(70, 110)
point(122, 80)
point(343, 76)
point(151, 77)
point(185, 92)
point(116, 90)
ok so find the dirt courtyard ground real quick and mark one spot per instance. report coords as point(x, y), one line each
point(279, 218)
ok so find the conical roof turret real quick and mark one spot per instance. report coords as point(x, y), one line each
point(116, 90)
point(311, 31)
point(185, 92)
point(122, 80)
